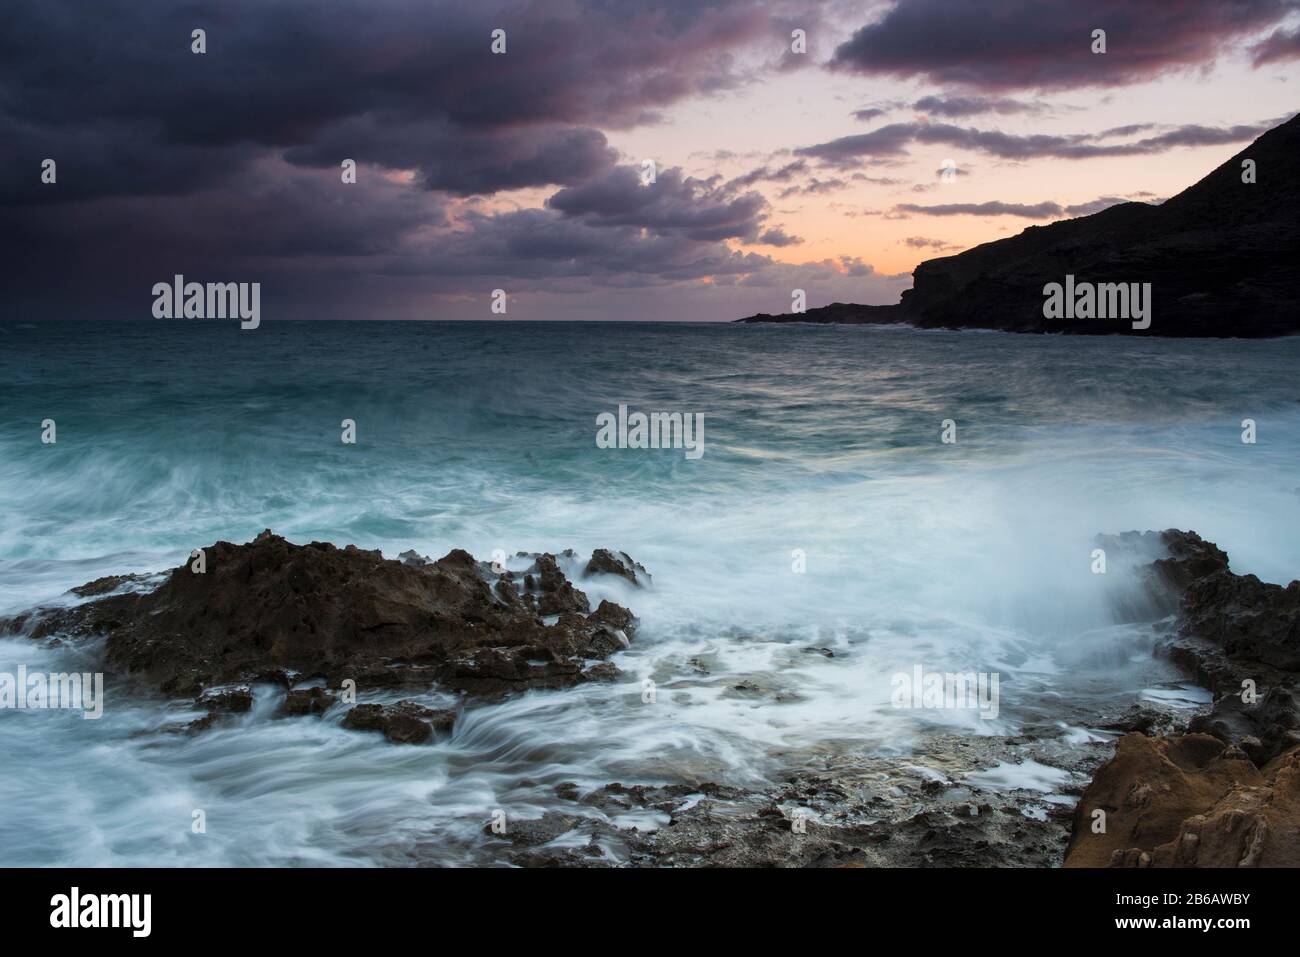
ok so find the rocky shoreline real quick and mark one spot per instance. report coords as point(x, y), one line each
point(1226, 793)
point(322, 623)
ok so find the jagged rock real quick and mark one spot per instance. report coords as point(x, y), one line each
point(531, 832)
point(218, 701)
point(102, 586)
point(1189, 558)
point(555, 594)
point(308, 701)
point(1227, 793)
point(1247, 618)
point(1248, 827)
point(403, 723)
point(270, 607)
point(236, 700)
point(1188, 801)
point(605, 562)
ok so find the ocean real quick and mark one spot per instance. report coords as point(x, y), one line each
point(827, 539)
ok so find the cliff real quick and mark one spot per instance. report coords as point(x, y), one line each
point(1221, 258)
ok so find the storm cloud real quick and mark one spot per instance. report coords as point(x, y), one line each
point(893, 140)
point(999, 45)
point(477, 170)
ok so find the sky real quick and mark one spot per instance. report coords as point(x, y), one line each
point(777, 165)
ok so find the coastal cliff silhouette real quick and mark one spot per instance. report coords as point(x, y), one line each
point(1221, 258)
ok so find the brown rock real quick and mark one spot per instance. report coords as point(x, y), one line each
point(1188, 801)
point(606, 562)
point(403, 723)
point(236, 700)
point(271, 607)
point(308, 701)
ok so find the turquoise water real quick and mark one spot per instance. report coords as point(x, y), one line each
point(825, 440)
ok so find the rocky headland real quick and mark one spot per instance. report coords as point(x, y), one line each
point(1220, 258)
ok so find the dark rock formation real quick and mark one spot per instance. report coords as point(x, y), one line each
point(605, 562)
point(403, 723)
point(234, 700)
point(553, 592)
point(1220, 257)
point(862, 810)
point(272, 610)
point(1226, 794)
point(308, 701)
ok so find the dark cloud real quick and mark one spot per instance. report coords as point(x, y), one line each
point(955, 106)
point(397, 83)
point(1280, 45)
point(1044, 210)
point(813, 187)
point(922, 242)
point(776, 236)
point(464, 162)
point(226, 165)
point(893, 140)
point(1046, 44)
point(672, 205)
point(1095, 206)
point(762, 174)
point(1105, 202)
point(302, 234)
point(531, 247)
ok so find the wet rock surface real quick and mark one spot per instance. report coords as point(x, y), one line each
point(234, 699)
point(270, 610)
point(606, 562)
point(403, 723)
point(855, 810)
point(1189, 801)
point(1222, 792)
point(1226, 793)
point(308, 701)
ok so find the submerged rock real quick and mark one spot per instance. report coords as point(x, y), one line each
point(403, 723)
point(308, 701)
point(858, 809)
point(236, 700)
